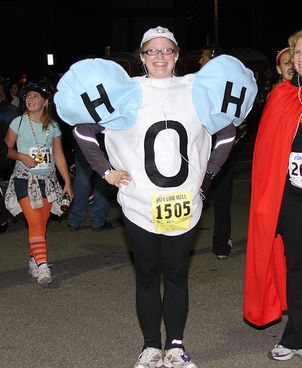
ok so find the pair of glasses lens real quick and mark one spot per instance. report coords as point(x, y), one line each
point(154, 52)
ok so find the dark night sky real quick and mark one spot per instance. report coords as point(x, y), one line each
point(75, 29)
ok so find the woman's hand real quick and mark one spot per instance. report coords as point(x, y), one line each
point(68, 189)
point(27, 160)
point(118, 178)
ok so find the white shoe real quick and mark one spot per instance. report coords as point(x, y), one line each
point(44, 276)
point(280, 352)
point(32, 268)
point(150, 358)
point(221, 256)
point(177, 358)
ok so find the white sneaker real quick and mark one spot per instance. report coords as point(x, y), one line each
point(32, 268)
point(280, 352)
point(221, 256)
point(44, 276)
point(176, 358)
point(150, 358)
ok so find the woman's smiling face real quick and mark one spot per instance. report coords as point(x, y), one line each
point(161, 65)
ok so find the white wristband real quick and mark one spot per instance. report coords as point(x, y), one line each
point(106, 173)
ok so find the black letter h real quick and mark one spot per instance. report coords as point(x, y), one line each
point(228, 98)
point(91, 105)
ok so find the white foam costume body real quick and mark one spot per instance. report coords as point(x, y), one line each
point(158, 130)
point(164, 190)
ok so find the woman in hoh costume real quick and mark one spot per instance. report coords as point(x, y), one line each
point(158, 131)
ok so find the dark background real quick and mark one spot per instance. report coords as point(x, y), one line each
point(73, 30)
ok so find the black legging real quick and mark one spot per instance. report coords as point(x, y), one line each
point(222, 189)
point(156, 254)
point(290, 228)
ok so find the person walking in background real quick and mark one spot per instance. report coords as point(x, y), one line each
point(207, 54)
point(3, 210)
point(7, 113)
point(7, 110)
point(273, 272)
point(14, 93)
point(284, 65)
point(82, 184)
point(266, 84)
point(157, 131)
point(33, 187)
point(219, 178)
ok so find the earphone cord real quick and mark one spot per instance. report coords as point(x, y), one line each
point(145, 69)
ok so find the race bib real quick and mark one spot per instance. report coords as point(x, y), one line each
point(295, 169)
point(43, 156)
point(172, 211)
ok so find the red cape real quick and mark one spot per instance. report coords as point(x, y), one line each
point(265, 272)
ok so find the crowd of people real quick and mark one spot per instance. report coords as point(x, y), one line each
point(144, 149)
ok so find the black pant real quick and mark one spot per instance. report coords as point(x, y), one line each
point(222, 190)
point(156, 254)
point(290, 228)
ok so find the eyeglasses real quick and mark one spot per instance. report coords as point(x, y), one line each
point(154, 52)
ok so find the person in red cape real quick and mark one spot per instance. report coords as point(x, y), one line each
point(273, 273)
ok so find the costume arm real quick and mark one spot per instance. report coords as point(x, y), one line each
point(224, 140)
point(85, 135)
point(223, 143)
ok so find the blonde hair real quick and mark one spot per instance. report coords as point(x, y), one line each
point(292, 41)
point(46, 118)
